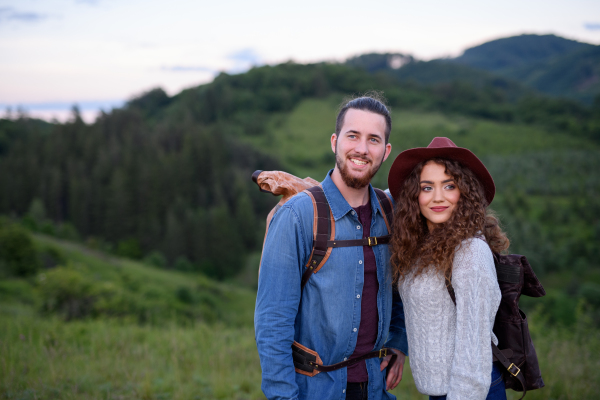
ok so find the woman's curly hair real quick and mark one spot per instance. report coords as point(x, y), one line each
point(415, 249)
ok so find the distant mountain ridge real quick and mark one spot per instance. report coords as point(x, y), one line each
point(518, 51)
point(520, 65)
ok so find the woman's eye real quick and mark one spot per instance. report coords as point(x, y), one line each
point(450, 187)
point(426, 188)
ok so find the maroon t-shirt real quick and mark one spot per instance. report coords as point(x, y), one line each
point(369, 318)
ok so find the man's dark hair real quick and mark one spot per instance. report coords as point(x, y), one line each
point(372, 102)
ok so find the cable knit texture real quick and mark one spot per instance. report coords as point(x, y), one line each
point(450, 351)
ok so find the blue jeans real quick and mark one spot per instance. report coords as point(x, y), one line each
point(497, 389)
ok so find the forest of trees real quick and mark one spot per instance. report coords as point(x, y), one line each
point(167, 178)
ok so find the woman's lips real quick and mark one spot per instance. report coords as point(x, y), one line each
point(438, 209)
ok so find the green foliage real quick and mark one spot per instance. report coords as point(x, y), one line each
point(172, 174)
point(17, 253)
point(156, 259)
point(129, 248)
point(67, 292)
point(183, 264)
point(81, 283)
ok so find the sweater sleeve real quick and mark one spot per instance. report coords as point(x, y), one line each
point(470, 375)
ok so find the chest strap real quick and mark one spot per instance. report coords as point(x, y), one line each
point(369, 241)
point(324, 231)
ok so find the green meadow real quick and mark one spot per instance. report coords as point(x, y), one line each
point(119, 357)
point(92, 325)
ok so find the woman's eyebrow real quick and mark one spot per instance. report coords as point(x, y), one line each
point(431, 183)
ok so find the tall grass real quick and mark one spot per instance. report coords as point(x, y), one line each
point(102, 359)
point(107, 359)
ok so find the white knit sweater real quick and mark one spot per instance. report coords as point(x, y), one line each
point(450, 351)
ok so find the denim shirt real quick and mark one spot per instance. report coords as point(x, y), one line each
point(326, 316)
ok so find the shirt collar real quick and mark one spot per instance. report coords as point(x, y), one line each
point(338, 204)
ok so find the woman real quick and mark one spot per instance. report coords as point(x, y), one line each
point(444, 233)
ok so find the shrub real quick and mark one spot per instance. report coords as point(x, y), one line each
point(591, 293)
point(17, 252)
point(183, 264)
point(67, 292)
point(129, 248)
point(156, 258)
point(51, 257)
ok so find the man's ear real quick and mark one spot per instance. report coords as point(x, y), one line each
point(388, 150)
point(333, 141)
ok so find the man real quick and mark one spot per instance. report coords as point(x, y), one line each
point(347, 309)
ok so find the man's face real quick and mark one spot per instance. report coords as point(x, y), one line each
point(360, 147)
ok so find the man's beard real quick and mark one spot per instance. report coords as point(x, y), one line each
point(351, 181)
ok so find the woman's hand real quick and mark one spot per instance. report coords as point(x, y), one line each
point(394, 373)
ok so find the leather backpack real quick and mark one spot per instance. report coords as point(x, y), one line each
point(515, 277)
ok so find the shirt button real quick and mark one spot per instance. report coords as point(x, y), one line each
point(345, 358)
point(344, 391)
point(353, 212)
point(360, 261)
point(357, 226)
point(358, 296)
point(355, 329)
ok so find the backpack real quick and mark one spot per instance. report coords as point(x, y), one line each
point(515, 277)
point(307, 361)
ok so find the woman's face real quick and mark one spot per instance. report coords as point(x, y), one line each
point(438, 195)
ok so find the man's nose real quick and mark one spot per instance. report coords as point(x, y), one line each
point(361, 147)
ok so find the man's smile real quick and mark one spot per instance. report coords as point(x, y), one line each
point(358, 161)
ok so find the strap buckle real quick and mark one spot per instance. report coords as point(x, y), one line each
point(372, 243)
point(511, 368)
point(383, 352)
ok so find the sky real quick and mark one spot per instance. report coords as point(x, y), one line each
point(100, 53)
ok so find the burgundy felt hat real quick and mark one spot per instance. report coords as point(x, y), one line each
point(440, 147)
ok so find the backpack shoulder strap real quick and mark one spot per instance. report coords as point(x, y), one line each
point(323, 231)
point(499, 355)
point(385, 203)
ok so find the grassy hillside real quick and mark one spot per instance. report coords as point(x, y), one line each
point(118, 357)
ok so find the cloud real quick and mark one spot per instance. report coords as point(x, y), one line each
point(592, 26)
point(64, 105)
point(243, 60)
point(187, 68)
point(9, 13)
point(245, 55)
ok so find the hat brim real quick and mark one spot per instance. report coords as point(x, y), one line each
point(406, 161)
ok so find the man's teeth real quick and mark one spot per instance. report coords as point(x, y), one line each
point(358, 162)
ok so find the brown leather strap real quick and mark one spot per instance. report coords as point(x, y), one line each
point(306, 361)
point(369, 241)
point(322, 233)
point(499, 355)
point(510, 367)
